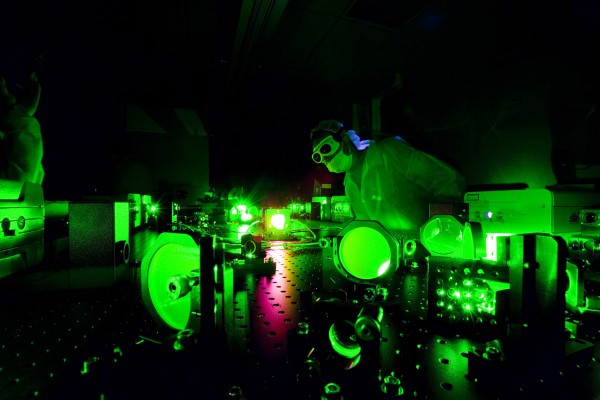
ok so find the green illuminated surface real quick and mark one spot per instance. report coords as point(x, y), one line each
point(296, 207)
point(278, 221)
point(491, 245)
point(467, 298)
point(343, 341)
point(365, 253)
point(242, 230)
point(246, 217)
point(243, 212)
point(135, 201)
point(170, 260)
point(442, 235)
point(121, 221)
point(332, 388)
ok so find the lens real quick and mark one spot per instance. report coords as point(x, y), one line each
point(365, 253)
point(164, 288)
point(325, 149)
point(316, 157)
point(442, 235)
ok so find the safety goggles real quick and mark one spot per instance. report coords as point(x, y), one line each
point(326, 149)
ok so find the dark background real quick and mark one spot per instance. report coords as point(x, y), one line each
point(508, 91)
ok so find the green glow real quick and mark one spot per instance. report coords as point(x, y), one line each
point(135, 201)
point(332, 388)
point(383, 268)
point(278, 221)
point(442, 235)
point(491, 245)
point(365, 253)
point(346, 347)
point(324, 201)
point(243, 212)
point(170, 260)
point(242, 230)
point(152, 208)
point(121, 221)
point(295, 207)
point(473, 296)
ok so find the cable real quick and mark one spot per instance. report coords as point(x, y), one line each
point(291, 245)
point(252, 225)
point(307, 228)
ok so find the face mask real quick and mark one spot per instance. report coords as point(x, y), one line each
point(339, 163)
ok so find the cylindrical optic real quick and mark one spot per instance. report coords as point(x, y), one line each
point(365, 253)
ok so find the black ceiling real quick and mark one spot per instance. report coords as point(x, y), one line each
point(269, 52)
point(252, 67)
point(264, 51)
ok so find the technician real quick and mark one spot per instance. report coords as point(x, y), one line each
point(21, 147)
point(386, 180)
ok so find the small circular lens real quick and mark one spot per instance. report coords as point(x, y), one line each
point(316, 157)
point(325, 149)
